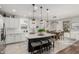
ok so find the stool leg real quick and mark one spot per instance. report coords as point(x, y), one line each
point(53, 44)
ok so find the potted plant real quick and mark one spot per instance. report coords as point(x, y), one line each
point(41, 31)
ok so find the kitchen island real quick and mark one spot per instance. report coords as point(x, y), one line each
point(40, 43)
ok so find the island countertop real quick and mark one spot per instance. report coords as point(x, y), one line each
point(33, 36)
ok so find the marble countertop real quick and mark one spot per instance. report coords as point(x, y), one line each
point(32, 36)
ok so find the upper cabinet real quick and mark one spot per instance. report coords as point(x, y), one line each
point(11, 23)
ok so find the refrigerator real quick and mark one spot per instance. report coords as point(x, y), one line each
point(2, 36)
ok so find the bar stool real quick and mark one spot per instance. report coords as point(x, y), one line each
point(35, 46)
point(46, 44)
point(49, 44)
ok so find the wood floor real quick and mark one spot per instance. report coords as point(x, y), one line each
point(73, 49)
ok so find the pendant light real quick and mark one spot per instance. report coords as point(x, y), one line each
point(33, 12)
point(47, 24)
point(41, 13)
point(47, 14)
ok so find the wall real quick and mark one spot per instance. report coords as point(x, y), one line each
point(74, 33)
point(75, 28)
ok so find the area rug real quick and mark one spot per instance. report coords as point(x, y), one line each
point(73, 49)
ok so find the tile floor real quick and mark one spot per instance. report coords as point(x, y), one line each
point(20, 48)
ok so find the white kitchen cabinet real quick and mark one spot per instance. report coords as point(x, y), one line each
point(13, 38)
point(12, 22)
point(13, 33)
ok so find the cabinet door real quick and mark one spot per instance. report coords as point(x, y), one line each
point(12, 22)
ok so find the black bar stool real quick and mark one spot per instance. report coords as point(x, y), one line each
point(45, 44)
point(35, 46)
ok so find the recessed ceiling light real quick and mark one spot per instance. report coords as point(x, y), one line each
point(13, 10)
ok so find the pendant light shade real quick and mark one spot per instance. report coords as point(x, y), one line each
point(33, 4)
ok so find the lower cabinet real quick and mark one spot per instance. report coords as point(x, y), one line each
point(13, 38)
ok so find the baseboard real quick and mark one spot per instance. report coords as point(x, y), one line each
point(15, 42)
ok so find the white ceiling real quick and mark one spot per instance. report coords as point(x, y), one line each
point(59, 10)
